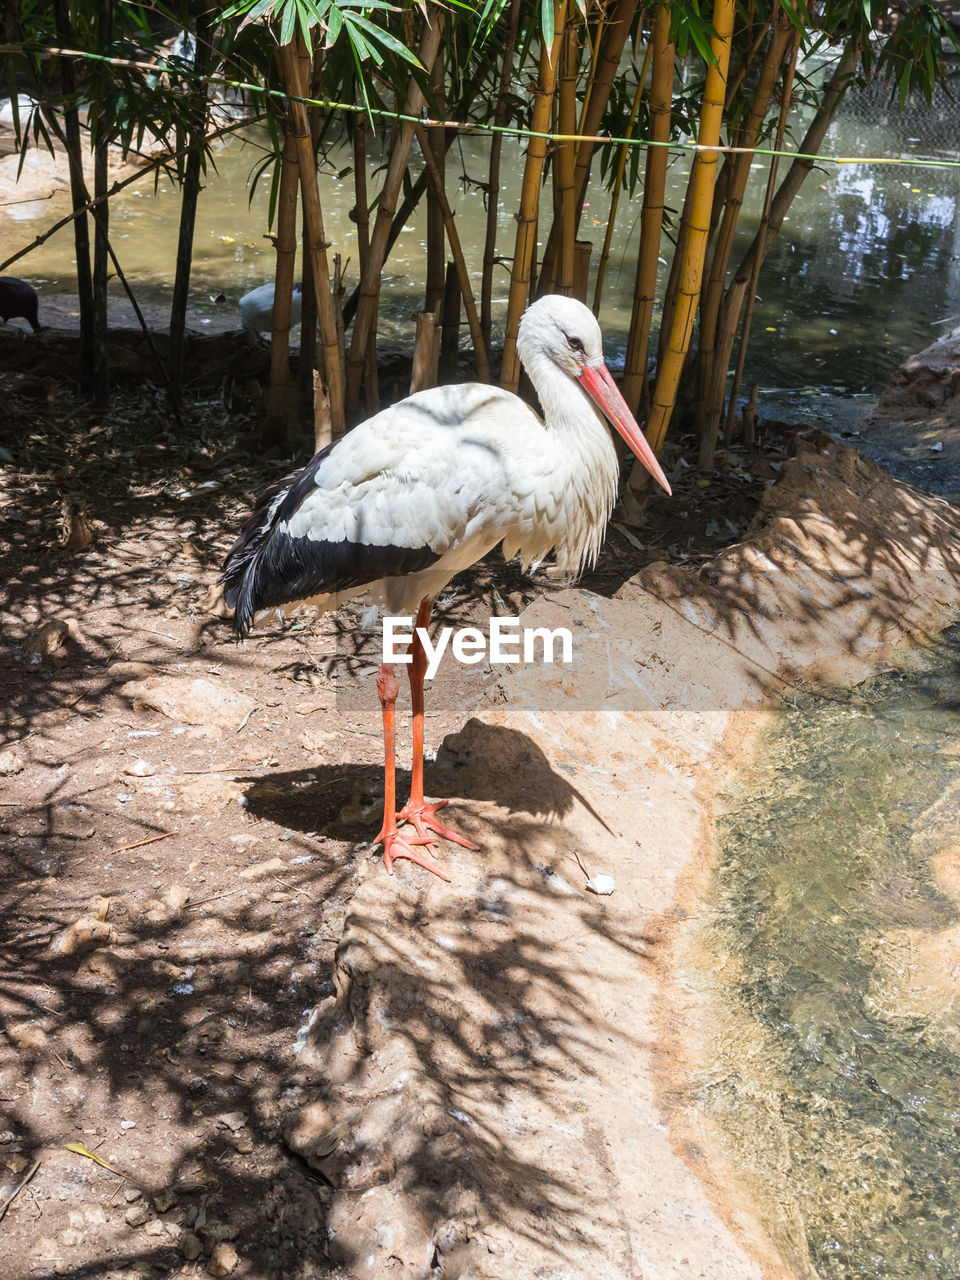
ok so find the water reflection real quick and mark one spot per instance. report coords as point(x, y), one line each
point(828, 966)
point(866, 268)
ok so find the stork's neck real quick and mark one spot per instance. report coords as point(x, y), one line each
point(567, 409)
point(583, 465)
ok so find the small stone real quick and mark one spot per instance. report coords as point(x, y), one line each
point(601, 885)
point(154, 1227)
point(223, 1259)
point(173, 1230)
point(10, 763)
point(139, 769)
point(94, 1216)
point(75, 1218)
point(70, 1237)
point(128, 1124)
point(232, 1120)
point(84, 934)
point(164, 1200)
point(132, 1194)
point(16, 1164)
point(136, 1215)
point(176, 897)
point(191, 1246)
point(270, 867)
point(28, 1035)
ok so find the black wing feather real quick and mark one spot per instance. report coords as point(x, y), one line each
point(267, 568)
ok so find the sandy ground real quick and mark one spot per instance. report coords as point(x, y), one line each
point(231, 1043)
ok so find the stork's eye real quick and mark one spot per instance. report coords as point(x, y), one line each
point(574, 343)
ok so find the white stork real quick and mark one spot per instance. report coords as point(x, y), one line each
point(417, 493)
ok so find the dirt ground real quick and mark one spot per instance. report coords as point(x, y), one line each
point(185, 828)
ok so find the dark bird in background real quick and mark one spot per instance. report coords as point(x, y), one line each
point(428, 487)
point(17, 298)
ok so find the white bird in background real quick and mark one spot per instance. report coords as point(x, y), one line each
point(417, 493)
point(256, 308)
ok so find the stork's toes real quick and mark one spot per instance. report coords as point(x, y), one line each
point(397, 846)
point(423, 816)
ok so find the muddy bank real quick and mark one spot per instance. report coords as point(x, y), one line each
point(494, 1056)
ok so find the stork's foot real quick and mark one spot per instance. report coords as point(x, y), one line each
point(397, 846)
point(423, 816)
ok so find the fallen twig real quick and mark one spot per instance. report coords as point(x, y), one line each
point(164, 835)
point(16, 1191)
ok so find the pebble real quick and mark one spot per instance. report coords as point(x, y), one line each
point(131, 1194)
point(136, 1215)
point(223, 1259)
point(191, 1246)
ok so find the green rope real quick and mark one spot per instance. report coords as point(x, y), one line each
point(508, 130)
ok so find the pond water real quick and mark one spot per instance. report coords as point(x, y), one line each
point(867, 267)
point(827, 962)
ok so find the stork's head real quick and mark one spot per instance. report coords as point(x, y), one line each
point(565, 332)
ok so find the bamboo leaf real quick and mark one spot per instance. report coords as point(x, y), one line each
point(547, 22)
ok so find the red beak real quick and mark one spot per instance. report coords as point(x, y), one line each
point(605, 394)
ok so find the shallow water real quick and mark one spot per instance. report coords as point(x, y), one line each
point(828, 963)
point(867, 266)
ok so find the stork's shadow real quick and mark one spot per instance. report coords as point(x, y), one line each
point(479, 762)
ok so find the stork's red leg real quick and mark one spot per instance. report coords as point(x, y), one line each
point(395, 845)
point(416, 810)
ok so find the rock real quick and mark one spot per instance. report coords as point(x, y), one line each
point(70, 1237)
point(136, 1215)
point(154, 1227)
point(209, 703)
point(132, 1194)
point(139, 769)
point(223, 1260)
point(268, 868)
point(10, 763)
point(84, 934)
point(28, 1035)
point(928, 380)
point(164, 1199)
point(131, 671)
point(176, 897)
point(46, 642)
point(191, 1246)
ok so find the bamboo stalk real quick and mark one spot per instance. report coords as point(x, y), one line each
point(313, 216)
point(651, 224)
point(466, 290)
point(618, 183)
point(307, 373)
point(493, 178)
point(833, 95)
point(368, 303)
point(276, 415)
point(436, 243)
point(609, 53)
point(702, 179)
point(565, 159)
point(707, 412)
point(426, 351)
point(751, 292)
point(525, 246)
point(361, 216)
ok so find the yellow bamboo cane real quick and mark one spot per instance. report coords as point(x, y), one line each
point(651, 223)
point(702, 178)
point(565, 158)
point(739, 167)
point(313, 215)
point(530, 198)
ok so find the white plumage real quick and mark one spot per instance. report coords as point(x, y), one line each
point(417, 493)
point(256, 308)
